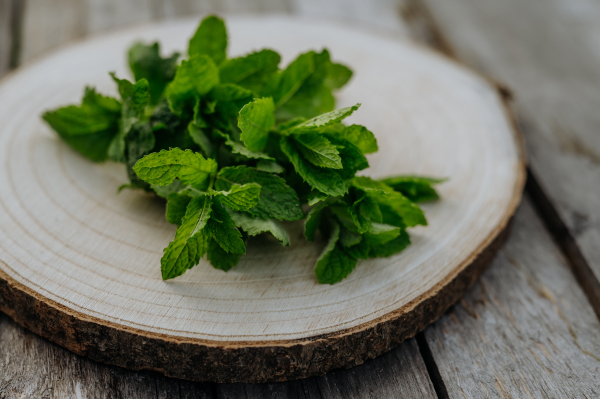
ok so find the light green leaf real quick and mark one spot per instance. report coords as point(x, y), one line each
point(271, 167)
point(277, 200)
point(255, 121)
point(326, 119)
point(163, 167)
point(319, 151)
point(240, 148)
point(195, 77)
point(337, 75)
point(292, 78)
point(191, 240)
point(254, 226)
point(360, 136)
point(239, 197)
point(224, 231)
point(251, 71)
point(210, 40)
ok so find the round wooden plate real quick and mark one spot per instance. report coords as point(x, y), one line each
point(80, 264)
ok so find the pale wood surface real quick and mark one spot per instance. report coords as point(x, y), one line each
point(524, 330)
point(547, 52)
point(487, 39)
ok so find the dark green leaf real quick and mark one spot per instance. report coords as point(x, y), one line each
point(224, 231)
point(319, 151)
point(239, 197)
point(176, 207)
point(255, 121)
point(210, 40)
point(415, 188)
point(292, 78)
point(146, 63)
point(251, 71)
point(391, 247)
point(221, 259)
point(195, 77)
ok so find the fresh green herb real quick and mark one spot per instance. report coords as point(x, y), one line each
point(236, 145)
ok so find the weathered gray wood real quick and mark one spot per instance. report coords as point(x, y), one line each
point(106, 14)
point(525, 329)
point(547, 52)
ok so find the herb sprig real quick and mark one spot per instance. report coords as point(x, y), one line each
point(236, 145)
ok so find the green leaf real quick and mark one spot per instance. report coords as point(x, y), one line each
point(277, 200)
point(195, 77)
point(200, 138)
point(394, 201)
point(210, 40)
point(319, 151)
point(334, 264)
point(240, 148)
point(255, 121)
point(364, 211)
point(191, 240)
point(163, 167)
point(337, 75)
point(230, 99)
point(138, 142)
point(221, 259)
point(327, 181)
point(254, 226)
point(292, 78)
point(359, 251)
point(313, 220)
point(251, 71)
point(90, 127)
point(381, 233)
point(326, 119)
point(176, 207)
point(239, 197)
point(164, 191)
point(224, 231)
point(135, 98)
point(271, 167)
point(146, 63)
point(360, 136)
point(315, 197)
point(415, 188)
point(349, 238)
point(391, 247)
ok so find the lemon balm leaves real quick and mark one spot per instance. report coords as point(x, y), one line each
point(90, 127)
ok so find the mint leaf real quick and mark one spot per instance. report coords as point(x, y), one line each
point(277, 200)
point(135, 98)
point(239, 197)
point(337, 75)
point(271, 167)
point(381, 233)
point(90, 127)
point(200, 138)
point(327, 181)
point(349, 238)
point(315, 197)
point(255, 121)
point(319, 151)
point(163, 167)
point(391, 247)
point(254, 226)
point(146, 63)
point(221, 259)
point(334, 264)
point(176, 207)
point(164, 191)
point(191, 240)
point(224, 231)
point(292, 78)
point(230, 99)
point(240, 148)
point(313, 220)
point(210, 40)
point(326, 119)
point(360, 136)
point(194, 77)
point(251, 71)
point(415, 188)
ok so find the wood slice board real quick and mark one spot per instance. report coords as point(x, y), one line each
point(80, 264)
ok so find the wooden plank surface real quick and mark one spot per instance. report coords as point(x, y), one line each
point(548, 53)
point(524, 330)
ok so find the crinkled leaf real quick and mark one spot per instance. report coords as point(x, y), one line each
point(163, 167)
point(277, 200)
point(415, 188)
point(221, 259)
point(224, 231)
point(327, 181)
point(90, 127)
point(326, 119)
point(194, 77)
point(254, 226)
point(146, 63)
point(239, 197)
point(319, 151)
point(176, 207)
point(255, 121)
point(210, 40)
point(191, 240)
point(251, 71)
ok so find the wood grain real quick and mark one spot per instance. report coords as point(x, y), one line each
point(547, 52)
point(524, 330)
point(98, 292)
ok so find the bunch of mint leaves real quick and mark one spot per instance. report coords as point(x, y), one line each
point(236, 145)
